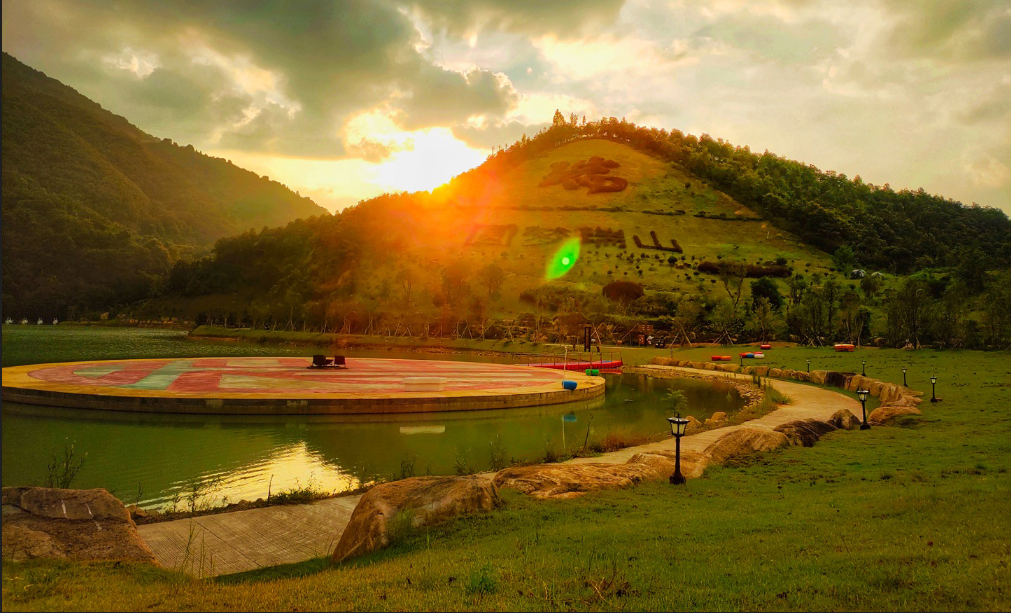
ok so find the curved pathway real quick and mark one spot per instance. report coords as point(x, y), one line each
point(807, 402)
point(234, 542)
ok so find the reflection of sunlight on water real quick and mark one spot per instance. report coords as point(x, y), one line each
point(293, 466)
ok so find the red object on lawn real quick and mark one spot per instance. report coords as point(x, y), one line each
point(765, 346)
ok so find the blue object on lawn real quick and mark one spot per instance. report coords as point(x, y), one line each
point(569, 385)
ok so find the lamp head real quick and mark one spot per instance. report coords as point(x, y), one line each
point(933, 379)
point(862, 394)
point(678, 425)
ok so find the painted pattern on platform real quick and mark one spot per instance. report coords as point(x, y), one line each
point(285, 376)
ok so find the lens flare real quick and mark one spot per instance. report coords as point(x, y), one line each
point(563, 260)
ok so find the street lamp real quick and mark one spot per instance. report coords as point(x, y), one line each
point(678, 425)
point(862, 394)
point(863, 368)
point(904, 377)
point(933, 388)
point(809, 366)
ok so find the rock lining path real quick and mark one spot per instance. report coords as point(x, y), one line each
point(240, 541)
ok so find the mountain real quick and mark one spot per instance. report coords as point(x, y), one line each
point(96, 211)
point(696, 228)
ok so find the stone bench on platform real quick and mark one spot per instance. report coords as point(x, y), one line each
point(424, 384)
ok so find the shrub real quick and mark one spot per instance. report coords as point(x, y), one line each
point(623, 291)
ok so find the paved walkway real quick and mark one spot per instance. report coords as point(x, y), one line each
point(245, 540)
point(228, 543)
point(807, 401)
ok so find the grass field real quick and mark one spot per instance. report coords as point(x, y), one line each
point(896, 518)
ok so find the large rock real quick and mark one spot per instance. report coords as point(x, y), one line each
point(805, 432)
point(889, 412)
point(410, 503)
point(744, 441)
point(819, 376)
point(661, 463)
point(838, 379)
point(43, 522)
point(716, 418)
point(572, 480)
point(844, 419)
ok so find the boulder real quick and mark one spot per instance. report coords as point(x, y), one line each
point(410, 503)
point(819, 376)
point(744, 441)
point(874, 387)
point(748, 370)
point(693, 425)
point(838, 379)
point(888, 412)
point(805, 432)
point(855, 382)
point(762, 371)
point(136, 512)
point(709, 366)
point(775, 373)
point(717, 417)
point(572, 480)
point(844, 419)
point(661, 463)
point(41, 522)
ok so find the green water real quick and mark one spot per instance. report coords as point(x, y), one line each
point(153, 459)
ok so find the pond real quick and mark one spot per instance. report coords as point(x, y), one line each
point(155, 460)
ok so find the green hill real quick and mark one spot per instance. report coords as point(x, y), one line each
point(95, 211)
point(646, 207)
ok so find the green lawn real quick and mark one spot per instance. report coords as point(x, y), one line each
point(912, 517)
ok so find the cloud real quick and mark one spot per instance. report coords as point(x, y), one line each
point(563, 18)
point(951, 30)
point(446, 97)
point(909, 93)
point(500, 134)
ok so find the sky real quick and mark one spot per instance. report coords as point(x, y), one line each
point(343, 101)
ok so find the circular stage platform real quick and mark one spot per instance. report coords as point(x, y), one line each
point(259, 386)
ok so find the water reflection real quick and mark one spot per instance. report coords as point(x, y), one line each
point(156, 459)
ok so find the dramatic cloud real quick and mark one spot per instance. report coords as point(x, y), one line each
point(345, 99)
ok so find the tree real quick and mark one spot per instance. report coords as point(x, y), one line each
point(971, 269)
point(558, 119)
point(733, 274)
point(766, 288)
point(871, 285)
point(492, 277)
point(406, 278)
point(763, 319)
point(724, 320)
point(623, 292)
point(844, 259)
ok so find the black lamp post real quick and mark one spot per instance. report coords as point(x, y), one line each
point(678, 425)
point(862, 394)
point(863, 368)
point(904, 377)
point(809, 366)
point(933, 388)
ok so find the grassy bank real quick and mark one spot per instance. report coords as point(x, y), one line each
point(895, 518)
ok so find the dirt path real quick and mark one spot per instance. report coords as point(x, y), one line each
point(245, 540)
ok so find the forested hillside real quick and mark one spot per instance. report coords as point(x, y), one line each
point(95, 211)
point(664, 241)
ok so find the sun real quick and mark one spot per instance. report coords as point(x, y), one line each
point(429, 159)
